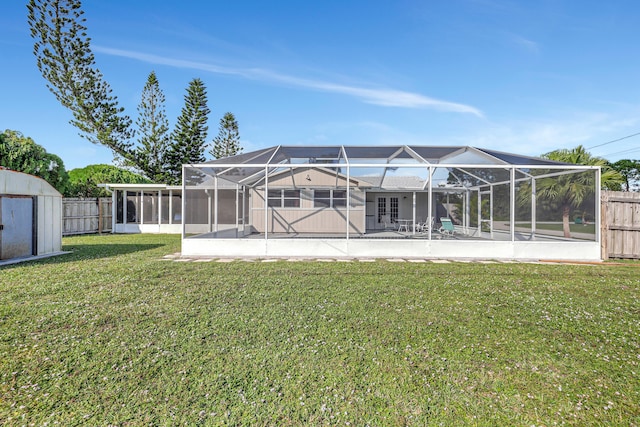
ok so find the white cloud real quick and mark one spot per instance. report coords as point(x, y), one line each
point(527, 44)
point(535, 137)
point(377, 96)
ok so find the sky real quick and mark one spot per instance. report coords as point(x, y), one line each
point(526, 77)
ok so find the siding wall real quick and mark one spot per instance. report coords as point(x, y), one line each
point(307, 218)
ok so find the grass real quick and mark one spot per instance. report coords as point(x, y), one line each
point(113, 335)
point(574, 228)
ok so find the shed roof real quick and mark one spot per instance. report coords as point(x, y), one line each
point(19, 183)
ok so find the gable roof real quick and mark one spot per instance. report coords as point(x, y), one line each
point(251, 168)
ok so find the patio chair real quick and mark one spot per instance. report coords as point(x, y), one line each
point(446, 228)
point(388, 223)
point(425, 226)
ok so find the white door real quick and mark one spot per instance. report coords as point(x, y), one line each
point(387, 208)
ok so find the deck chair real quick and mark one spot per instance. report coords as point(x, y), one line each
point(446, 227)
point(425, 226)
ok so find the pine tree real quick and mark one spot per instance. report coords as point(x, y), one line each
point(64, 57)
point(227, 143)
point(153, 128)
point(188, 140)
point(630, 171)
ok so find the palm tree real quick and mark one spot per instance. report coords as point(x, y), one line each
point(570, 190)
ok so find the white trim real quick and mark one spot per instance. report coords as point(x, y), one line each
point(390, 248)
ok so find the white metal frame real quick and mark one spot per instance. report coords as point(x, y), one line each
point(359, 247)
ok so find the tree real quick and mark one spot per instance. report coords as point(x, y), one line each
point(227, 143)
point(188, 140)
point(153, 128)
point(84, 181)
point(571, 190)
point(630, 171)
point(22, 154)
point(64, 57)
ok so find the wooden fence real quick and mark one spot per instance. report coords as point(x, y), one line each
point(620, 224)
point(83, 216)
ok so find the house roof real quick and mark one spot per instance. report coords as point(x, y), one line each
point(366, 154)
point(399, 166)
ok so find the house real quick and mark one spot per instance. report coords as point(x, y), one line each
point(382, 201)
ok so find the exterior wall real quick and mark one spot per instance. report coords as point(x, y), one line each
point(405, 206)
point(390, 248)
point(309, 178)
point(306, 218)
point(49, 224)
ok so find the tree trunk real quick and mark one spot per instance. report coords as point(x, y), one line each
point(565, 220)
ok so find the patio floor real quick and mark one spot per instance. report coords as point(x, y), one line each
point(383, 234)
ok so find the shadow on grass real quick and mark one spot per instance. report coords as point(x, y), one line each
point(93, 251)
point(88, 252)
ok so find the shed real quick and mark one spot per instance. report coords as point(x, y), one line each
point(30, 216)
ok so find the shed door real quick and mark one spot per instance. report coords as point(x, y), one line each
point(16, 227)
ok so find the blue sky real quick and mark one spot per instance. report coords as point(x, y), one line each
point(519, 76)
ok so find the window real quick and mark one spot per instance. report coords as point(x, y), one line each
point(275, 198)
point(339, 198)
point(394, 203)
point(382, 210)
point(330, 199)
point(322, 199)
point(283, 198)
point(291, 198)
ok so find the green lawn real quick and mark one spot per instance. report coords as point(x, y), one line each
point(113, 335)
point(574, 228)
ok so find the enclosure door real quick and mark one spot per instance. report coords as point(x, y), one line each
point(387, 208)
point(485, 212)
point(16, 227)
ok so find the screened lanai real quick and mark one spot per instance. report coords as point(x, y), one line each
point(386, 201)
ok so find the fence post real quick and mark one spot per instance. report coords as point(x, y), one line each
point(99, 215)
point(604, 234)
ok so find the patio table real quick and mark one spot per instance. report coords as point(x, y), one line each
point(404, 224)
